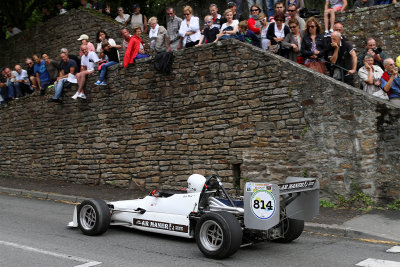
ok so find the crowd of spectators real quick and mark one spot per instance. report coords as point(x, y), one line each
point(281, 31)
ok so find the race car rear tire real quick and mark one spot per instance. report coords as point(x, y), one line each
point(218, 234)
point(292, 230)
point(93, 217)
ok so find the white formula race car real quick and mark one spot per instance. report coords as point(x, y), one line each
point(205, 211)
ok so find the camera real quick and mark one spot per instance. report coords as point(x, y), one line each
point(377, 50)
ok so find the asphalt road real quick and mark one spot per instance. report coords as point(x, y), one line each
point(33, 232)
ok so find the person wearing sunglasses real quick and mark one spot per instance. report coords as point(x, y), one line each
point(262, 18)
point(210, 32)
point(190, 28)
point(298, 3)
point(173, 26)
point(292, 42)
point(292, 11)
point(276, 33)
point(122, 17)
point(313, 47)
point(253, 23)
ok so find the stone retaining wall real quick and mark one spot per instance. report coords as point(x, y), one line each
point(226, 108)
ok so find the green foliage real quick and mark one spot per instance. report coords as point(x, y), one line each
point(327, 204)
point(304, 173)
point(394, 206)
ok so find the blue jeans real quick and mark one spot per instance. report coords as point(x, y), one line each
point(271, 7)
point(59, 88)
point(103, 71)
point(4, 93)
point(11, 88)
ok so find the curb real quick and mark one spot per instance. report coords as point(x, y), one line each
point(344, 231)
point(43, 195)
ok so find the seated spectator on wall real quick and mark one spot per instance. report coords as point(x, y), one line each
point(60, 8)
point(22, 83)
point(216, 18)
point(190, 28)
point(71, 56)
point(3, 87)
point(247, 36)
point(363, 3)
point(85, 41)
point(66, 78)
point(298, 3)
point(331, 7)
point(11, 31)
point(138, 19)
point(253, 23)
point(122, 17)
point(158, 36)
point(46, 14)
point(126, 36)
point(113, 58)
point(230, 28)
point(292, 10)
point(343, 55)
point(374, 50)
point(262, 18)
point(390, 81)
point(277, 32)
point(370, 75)
point(251, 3)
point(103, 36)
point(10, 79)
point(292, 42)
point(384, 2)
point(135, 48)
point(31, 74)
point(88, 65)
point(236, 15)
point(85, 4)
point(52, 66)
point(210, 33)
point(173, 26)
point(313, 47)
point(108, 12)
point(98, 6)
point(42, 75)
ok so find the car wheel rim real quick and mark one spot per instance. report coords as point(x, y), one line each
point(211, 236)
point(87, 217)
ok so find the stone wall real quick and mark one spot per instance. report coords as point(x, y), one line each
point(226, 108)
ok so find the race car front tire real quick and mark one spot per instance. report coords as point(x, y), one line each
point(218, 234)
point(93, 217)
point(292, 229)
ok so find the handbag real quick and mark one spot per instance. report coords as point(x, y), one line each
point(317, 66)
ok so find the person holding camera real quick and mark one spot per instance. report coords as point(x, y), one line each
point(372, 49)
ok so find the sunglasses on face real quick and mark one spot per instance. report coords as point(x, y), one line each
point(254, 10)
point(186, 14)
point(293, 10)
point(292, 27)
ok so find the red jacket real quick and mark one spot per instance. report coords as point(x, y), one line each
point(132, 50)
point(251, 23)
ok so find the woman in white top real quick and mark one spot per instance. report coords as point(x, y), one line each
point(190, 28)
point(262, 18)
point(230, 28)
point(122, 18)
point(100, 37)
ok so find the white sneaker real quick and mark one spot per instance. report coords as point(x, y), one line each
point(82, 95)
point(76, 95)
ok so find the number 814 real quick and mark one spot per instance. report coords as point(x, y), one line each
point(262, 205)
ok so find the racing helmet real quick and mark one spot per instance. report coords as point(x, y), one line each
point(195, 183)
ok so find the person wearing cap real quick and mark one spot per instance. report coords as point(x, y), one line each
point(85, 41)
point(138, 19)
point(236, 16)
